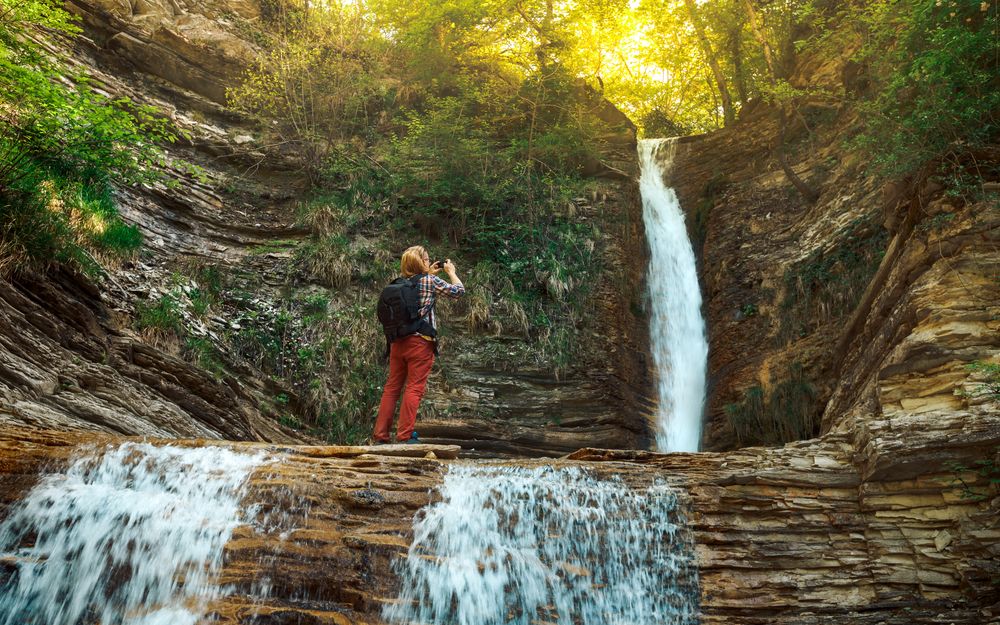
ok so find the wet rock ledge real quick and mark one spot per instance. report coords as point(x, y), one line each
point(798, 535)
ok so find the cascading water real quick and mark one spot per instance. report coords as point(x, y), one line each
point(128, 535)
point(676, 329)
point(515, 546)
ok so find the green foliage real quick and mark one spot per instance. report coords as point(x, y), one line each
point(205, 354)
point(936, 66)
point(328, 352)
point(829, 283)
point(978, 482)
point(162, 315)
point(349, 393)
point(62, 148)
point(703, 210)
point(320, 82)
point(207, 291)
point(989, 374)
point(488, 165)
point(789, 412)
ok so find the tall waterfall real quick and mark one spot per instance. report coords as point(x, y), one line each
point(128, 535)
point(676, 329)
point(515, 546)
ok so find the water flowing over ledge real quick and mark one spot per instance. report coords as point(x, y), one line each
point(128, 535)
point(676, 327)
point(515, 546)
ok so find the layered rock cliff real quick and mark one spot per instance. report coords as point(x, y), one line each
point(866, 306)
point(224, 220)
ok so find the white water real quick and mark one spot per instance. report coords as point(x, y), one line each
point(128, 535)
point(515, 546)
point(676, 328)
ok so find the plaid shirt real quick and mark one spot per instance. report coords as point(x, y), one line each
point(430, 286)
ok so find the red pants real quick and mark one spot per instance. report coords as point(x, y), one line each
point(410, 361)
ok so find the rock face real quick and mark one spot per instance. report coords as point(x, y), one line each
point(72, 356)
point(188, 44)
point(66, 364)
point(880, 297)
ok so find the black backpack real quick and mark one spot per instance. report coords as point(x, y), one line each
point(399, 311)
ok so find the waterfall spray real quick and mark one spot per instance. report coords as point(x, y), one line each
point(516, 546)
point(128, 535)
point(676, 329)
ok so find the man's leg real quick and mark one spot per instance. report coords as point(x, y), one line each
point(390, 394)
point(420, 359)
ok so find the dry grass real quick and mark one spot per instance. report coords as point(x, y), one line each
point(328, 265)
point(12, 256)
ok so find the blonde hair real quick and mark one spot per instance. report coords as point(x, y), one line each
point(413, 261)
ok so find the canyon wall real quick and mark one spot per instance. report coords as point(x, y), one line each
point(872, 522)
point(864, 307)
point(76, 354)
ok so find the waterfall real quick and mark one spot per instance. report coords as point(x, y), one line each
point(676, 328)
point(128, 535)
point(516, 546)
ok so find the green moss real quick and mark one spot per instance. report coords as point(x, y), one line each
point(703, 210)
point(205, 354)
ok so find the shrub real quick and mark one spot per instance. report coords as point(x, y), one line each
point(63, 146)
point(936, 67)
point(163, 315)
point(788, 412)
point(829, 283)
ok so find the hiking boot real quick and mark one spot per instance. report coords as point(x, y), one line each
point(414, 440)
point(379, 441)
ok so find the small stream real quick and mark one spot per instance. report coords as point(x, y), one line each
point(135, 534)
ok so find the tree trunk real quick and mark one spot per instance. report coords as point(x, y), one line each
point(810, 194)
point(758, 32)
point(807, 192)
point(736, 52)
point(729, 115)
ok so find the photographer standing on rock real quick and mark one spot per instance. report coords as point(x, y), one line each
point(406, 310)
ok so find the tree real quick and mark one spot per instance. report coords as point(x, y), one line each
point(720, 81)
point(322, 83)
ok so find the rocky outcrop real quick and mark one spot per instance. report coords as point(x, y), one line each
point(189, 44)
point(66, 363)
point(880, 520)
point(802, 534)
point(72, 354)
point(880, 294)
